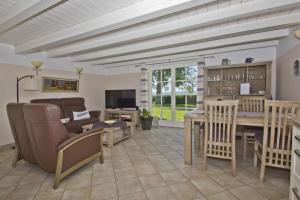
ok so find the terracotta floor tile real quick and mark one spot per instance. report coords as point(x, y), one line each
point(148, 166)
point(152, 181)
point(128, 186)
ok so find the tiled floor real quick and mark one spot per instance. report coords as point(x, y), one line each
point(148, 166)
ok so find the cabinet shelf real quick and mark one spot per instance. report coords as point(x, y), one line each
point(231, 88)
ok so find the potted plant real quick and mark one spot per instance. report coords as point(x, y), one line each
point(146, 119)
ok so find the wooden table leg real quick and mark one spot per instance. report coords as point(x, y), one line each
point(187, 141)
point(131, 128)
point(196, 131)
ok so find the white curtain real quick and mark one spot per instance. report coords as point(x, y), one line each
point(200, 89)
point(144, 91)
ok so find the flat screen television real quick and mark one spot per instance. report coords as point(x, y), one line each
point(120, 99)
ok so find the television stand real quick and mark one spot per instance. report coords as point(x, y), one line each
point(124, 114)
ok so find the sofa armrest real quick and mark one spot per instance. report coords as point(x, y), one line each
point(73, 126)
point(79, 137)
point(80, 148)
point(95, 114)
point(76, 152)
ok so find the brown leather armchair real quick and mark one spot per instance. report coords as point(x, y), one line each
point(55, 149)
point(20, 134)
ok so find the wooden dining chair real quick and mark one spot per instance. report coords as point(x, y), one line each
point(220, 131)
point(273, 148)
point(250, 104)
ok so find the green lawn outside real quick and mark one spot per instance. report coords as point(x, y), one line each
point(167, 113)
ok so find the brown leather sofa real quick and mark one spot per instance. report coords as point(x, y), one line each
point(52, 147)
point(18, 127)
point(67, 107)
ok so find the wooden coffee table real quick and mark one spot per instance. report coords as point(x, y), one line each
point(111, 133)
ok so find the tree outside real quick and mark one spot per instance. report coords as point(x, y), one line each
point(185, 88)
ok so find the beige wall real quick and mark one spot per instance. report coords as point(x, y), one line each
point(91, 88)
point(288, 85)
point(124, 81)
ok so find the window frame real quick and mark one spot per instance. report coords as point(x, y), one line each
point(173, 81)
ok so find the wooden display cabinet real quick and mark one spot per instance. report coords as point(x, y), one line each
point(223, 82)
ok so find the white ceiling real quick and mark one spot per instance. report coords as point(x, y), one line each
point(6, 4)
point(116, 33)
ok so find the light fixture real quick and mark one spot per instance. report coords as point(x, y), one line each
point(37, 66)
point(79, 71)
point(18, 80)
point(297, 34)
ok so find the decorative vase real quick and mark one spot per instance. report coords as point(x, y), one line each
point(146, 123)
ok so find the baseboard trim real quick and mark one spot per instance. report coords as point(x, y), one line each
point(7, 146)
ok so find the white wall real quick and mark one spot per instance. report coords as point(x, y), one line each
point(287, 52)
point(288, 43)
point(91, 87)
point(124, 81)
point(8, 56)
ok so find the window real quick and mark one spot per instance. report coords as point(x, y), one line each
point(173, 92)
point(185, 91)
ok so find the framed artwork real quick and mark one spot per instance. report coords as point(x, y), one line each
point(60, 85)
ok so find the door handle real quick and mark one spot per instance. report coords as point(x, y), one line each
point(295, 191)
point(297, 137)
point(297, 152)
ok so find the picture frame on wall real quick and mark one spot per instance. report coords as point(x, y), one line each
point(50, 84)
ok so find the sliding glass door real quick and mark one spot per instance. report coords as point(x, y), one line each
point(173, 92)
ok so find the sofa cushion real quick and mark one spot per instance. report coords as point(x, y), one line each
point(71, 105)
point(81, 115)
point(54, 101)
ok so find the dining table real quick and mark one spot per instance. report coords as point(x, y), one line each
point(253, 119)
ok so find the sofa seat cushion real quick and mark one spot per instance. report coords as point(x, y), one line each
point(71, 105)
point(75, 126)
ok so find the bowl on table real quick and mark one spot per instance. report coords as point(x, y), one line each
point(110, 122)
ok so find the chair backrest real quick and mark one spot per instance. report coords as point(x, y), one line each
point(251, 104)
point(72, 104)
point(220, 128)
point(46, 132)
point(19, 131)
point(277, 138)
point(54, 101)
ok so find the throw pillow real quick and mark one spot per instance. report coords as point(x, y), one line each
point(81, 115)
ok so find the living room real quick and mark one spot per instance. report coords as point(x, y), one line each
point(80, 79)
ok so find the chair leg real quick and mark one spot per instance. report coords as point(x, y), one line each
point(196, 131)
point(262, 166)
point(101, 157)
point(245, 146)
point(255, 153)
point(101, 160)
point(201, 142)
point(233, 166)
point(205, 156)
point(262, 171)
point(16, 158)
point(233, 161)
point(57, 176)
point(204, 161)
